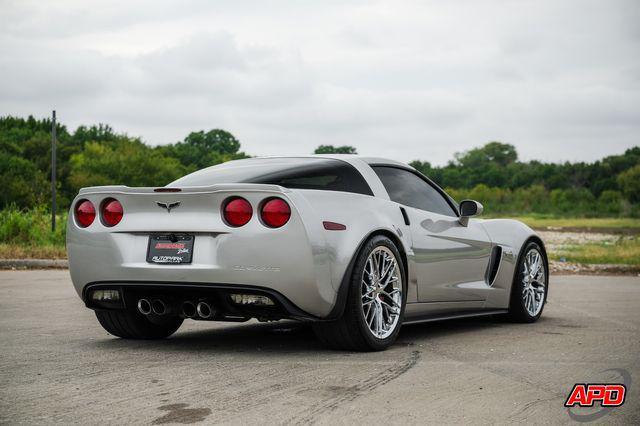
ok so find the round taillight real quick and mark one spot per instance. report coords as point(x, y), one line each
point(237, 211)
point(111, 212)
point(85, 213)
point(275, 212)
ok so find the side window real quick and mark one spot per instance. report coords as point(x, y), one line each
point(409, 189)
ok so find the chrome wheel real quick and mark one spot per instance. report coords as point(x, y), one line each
point(534, 284)
point(381, 292)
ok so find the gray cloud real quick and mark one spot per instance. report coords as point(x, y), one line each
point(406, 80)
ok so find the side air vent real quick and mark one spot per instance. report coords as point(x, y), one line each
point(494, 264)
point(405, 216)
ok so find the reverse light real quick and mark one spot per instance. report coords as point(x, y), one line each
point(236, 211)
point(85, 213)
point(106, 298)
point(275, 212)
point(251, 299)
point(111, 212)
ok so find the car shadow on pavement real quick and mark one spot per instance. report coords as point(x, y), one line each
point(280, 336)
point(292, 337)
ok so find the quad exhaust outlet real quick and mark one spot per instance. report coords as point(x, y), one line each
point(189, 309)
point(157, 306)
point(144, 306)
point(205, 310)
point(153, 306)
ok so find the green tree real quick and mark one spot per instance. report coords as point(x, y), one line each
point(611, 203)
point(127, 163)
point(498, 153)
point(21, 182)
point(423, 167)
point(629, 182)
point(203, 149)
point(330, 149)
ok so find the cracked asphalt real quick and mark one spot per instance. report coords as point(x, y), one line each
point(57, 365)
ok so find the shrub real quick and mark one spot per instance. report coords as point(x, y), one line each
point(31, 227)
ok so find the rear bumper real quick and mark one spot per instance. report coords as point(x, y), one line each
point(131, 292)
point(283, 263)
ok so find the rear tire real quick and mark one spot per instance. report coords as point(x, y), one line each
point(529, 289)
point(133, 325)
point(355, 330)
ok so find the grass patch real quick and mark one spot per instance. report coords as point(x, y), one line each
point(584, 223)
point(12, 251)
point(623, 251)
point(27, 234)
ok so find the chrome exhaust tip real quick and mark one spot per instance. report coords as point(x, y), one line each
point(144, 306)
point(205, 310)
point(159, 307)
point(189, 309)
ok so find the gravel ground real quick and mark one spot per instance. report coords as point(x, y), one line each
point(557, 241)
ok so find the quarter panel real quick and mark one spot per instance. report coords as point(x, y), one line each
point(362, 215)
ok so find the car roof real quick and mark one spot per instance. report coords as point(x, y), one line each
point(349, 158)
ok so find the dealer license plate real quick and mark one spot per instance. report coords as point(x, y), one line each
point(170, 249)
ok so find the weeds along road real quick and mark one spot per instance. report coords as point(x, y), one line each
point(59, 366)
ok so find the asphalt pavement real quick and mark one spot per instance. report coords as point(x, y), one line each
point(57, 365)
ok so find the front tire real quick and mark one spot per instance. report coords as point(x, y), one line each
point(133, 325)
point(375, 302)
point(530, 286)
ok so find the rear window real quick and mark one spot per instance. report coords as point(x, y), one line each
point(307, 173)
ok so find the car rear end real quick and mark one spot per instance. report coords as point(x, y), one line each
point(175, 250)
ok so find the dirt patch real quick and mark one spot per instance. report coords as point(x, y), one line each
point(556, 240)
point(557, 267)
point(589, 229)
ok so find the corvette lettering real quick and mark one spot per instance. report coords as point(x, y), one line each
point(256, 268)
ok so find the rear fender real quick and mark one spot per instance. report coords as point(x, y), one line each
point(363, 216)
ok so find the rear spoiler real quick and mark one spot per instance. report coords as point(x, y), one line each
point(220, 187)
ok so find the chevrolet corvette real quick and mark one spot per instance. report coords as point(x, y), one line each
point(357, 246)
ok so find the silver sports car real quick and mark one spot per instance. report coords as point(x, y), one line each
point(358, 246)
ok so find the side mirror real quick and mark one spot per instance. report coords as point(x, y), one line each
point(469, 208)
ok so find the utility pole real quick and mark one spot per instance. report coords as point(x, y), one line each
point(53, 172)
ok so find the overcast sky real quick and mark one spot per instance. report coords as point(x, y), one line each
point(407, 80)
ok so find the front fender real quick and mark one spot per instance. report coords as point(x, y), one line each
point(511, 235)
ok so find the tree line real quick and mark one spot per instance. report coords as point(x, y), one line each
point(96, 155)
point(492, 174)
